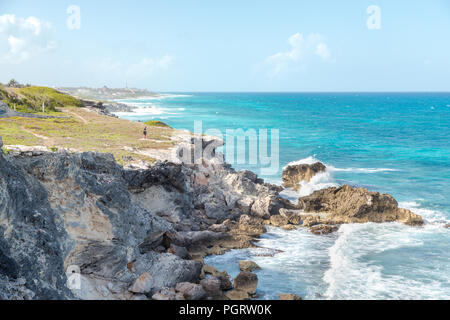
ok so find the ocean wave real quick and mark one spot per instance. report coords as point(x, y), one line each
point(362, 253)
point(362, 170)
point(322, 180)
point(429, 215)
point(312, 159)
point(143, 111)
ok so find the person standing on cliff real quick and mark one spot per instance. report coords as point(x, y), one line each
point(145, 133)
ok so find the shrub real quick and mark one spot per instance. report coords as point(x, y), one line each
point(156, 123)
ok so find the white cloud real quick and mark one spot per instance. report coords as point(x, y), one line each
point(20, 38)
point(302, 48)
point(323, 51)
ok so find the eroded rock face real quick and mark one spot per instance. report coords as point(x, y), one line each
point(352, 205)
point(129, 233)
point(294, 174)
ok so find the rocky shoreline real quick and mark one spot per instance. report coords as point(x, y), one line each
point(132, 234)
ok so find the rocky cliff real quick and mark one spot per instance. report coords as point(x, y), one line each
point(125, 234)
point(80, 226)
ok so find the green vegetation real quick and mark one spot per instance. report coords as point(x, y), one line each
point(30, 99)
point(83, 130)
point(5, 151)
point(156, 123)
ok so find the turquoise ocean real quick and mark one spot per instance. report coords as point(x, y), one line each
point(396, 143)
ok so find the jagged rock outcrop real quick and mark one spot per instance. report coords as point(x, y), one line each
point(354, 205)
point(138, 233)
point(124, 234)
point(293, 175)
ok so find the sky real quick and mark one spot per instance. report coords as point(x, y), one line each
point(189, 46)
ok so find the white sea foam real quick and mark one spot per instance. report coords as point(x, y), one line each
point(362, 170)
point(322, 180)
point(312, 159)
point(141, 110)
point(362, 253)
point(429, 215)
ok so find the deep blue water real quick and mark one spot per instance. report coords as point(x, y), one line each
point(396, 143)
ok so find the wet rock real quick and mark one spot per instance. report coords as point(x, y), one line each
point(237, 295)
point(249, 266)
point(251, 226)
point(246, 282)
point(278, 221)
point(191, 291)
point(294, 174)
point(289, 227)
point(289, 296)
point(217, 250)
point(293, 216)
point(323, 229)
point(352, 205)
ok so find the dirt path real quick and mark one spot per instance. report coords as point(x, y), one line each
point(49, 142)
point(76, 115)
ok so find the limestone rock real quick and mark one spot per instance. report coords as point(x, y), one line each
point(289, 296)
point(264, 207)
point(224, 278)
point(191, 291)
point(249, 266)
point(323, 229)
point(351, 205)
point(246, 282)
point(251, 226)
point(143, 284)
point(278, 221)
point(294, 174)
point(212, 286)
point(167, 294)
point(179, 251)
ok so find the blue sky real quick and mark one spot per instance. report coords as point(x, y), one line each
point(228, 45)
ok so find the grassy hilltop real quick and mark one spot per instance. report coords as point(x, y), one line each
point(30, 99)
point(76, 127)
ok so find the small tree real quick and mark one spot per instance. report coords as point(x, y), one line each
point(13, 84)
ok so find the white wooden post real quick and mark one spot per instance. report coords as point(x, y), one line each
point(43, 106)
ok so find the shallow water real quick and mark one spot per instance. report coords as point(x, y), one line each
point(392, 143)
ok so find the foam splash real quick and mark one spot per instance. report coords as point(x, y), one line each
point(429, 215)
point(375, 261)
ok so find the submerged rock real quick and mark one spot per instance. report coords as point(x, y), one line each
point(293, 175)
